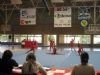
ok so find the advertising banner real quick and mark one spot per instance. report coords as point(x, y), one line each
point(28, 16)
point(62, 17)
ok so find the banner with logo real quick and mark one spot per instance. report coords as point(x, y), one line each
point(28, 16)
point(84, 23)
point(62, 17)
point(84, 16)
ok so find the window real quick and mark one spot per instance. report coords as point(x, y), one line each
point(84, 39)
point(4, 38)
point(19, 38)
point(96, 39)
point(38, 38)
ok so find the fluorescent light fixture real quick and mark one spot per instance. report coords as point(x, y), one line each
point(57, 1)
point(16, 1)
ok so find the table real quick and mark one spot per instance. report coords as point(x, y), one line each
point(50, 71)
point(17, 71)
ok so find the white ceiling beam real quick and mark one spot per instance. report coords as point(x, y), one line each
point(57, 1)
point(46, 4)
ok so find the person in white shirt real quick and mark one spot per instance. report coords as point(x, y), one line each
point(31, 66)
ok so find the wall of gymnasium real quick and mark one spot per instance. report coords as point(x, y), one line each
point(44, 23)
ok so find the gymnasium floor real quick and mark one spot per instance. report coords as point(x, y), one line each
point(65, 58)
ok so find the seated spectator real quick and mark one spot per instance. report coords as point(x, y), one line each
point(84, 68)
point(31, 66)
point(98, 74)
point(0, 65)
point(7, 63)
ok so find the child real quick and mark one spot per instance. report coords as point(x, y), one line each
point(52, 44)
point(72, 45)
point(80, 48)
point(54, 50)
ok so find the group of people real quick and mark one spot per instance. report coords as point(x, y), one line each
point(29, 44)
point(80, 47)
point(34, 46)
point(53, 49)
point(32, 66)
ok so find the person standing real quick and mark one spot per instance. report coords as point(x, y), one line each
point(52, 44)
point(80, 48)
point(72, 44)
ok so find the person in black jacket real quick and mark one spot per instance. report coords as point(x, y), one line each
point(0, 65)
point(7, 63)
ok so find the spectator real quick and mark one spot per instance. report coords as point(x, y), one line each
point(98, 74)
point(31, 66)
point(7, 63)
point(0, 65)
point(84, 68)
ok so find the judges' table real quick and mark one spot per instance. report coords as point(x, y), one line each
point(17, 71)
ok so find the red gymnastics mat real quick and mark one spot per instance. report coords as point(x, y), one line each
point(50, 71)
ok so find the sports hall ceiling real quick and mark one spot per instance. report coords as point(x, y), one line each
point(17, 4)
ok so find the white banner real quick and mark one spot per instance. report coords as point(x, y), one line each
point(62, 17)
point(28, 16)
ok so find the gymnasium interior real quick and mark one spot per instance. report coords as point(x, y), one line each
point(53, 24)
